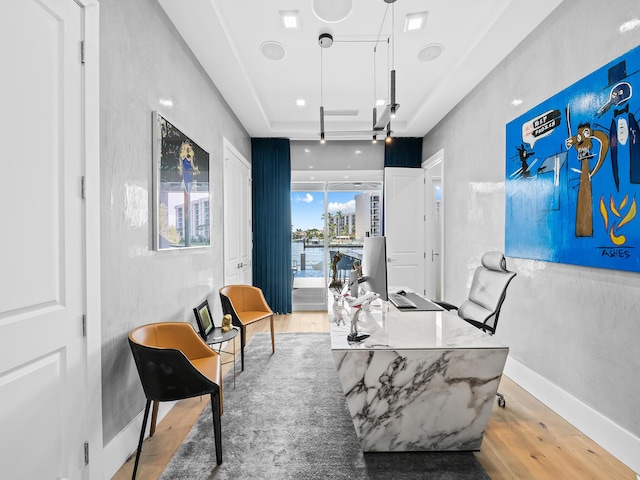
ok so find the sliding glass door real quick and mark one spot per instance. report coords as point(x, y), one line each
point(329, 221)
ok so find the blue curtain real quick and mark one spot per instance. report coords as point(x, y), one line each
point(271, 178)
point(403, 152)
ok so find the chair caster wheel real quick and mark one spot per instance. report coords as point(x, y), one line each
point(501, 401)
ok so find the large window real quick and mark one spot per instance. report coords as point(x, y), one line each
point(329, 217)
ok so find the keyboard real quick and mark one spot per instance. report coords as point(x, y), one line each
point(400, 301)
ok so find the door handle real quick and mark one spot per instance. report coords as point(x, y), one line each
point(433, 254)
point(391, 259)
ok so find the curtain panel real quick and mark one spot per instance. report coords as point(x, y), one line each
point(271, 188)
point(403, 152)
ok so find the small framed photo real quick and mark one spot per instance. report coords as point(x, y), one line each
point(204, 319)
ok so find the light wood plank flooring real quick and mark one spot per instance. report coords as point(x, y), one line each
point(525, 440)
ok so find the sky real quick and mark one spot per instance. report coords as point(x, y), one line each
point(307, 208)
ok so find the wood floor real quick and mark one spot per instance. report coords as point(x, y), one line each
point(525, 440)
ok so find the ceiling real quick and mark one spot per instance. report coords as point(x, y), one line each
point(227, 37)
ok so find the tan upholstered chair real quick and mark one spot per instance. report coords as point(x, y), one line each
point(246, 305)
point(174, 363)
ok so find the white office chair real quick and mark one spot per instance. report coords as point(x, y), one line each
point(486, 295)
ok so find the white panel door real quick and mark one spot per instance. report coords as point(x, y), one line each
point(404, 226)
point(237, 218)
point(432, 257)
point(42, 368)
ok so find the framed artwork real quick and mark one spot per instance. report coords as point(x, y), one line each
point(573, 173)
point(204, 319)
point(181, 189)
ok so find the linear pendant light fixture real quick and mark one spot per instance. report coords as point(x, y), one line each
point(325, 41)
point(393, 59)
point(390, 110)
point(375, 109)
point(382, 122)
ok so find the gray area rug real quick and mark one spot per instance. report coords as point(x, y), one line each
point(287, 418)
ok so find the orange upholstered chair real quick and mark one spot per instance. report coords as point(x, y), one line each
point(246, 305)
point(173, 363)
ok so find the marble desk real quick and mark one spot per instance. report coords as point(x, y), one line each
point(422, 381)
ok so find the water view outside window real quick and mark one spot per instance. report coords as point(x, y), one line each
point(350, 216)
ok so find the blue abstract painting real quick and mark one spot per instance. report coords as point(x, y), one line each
point(573, 173)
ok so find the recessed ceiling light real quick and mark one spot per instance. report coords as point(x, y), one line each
point(381, 101)
point(516, 101)
point(290, 18)
point(300, 102)
point(358, 152)
point(272, 50)
point(415, 21)
point(166, 102)
point(630, 25)
point(332, 11)
point(430, 52)
point(306, 150)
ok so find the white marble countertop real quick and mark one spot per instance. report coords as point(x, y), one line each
point(391, 329)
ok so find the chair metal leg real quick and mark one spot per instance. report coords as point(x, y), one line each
point(217, 428)
point(243, 338)
point(273, 343)
point(144, 426)
point(154, 418)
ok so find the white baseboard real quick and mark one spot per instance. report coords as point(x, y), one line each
point(118, 450)
point(616, 440)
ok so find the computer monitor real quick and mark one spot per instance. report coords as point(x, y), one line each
point(374, 265)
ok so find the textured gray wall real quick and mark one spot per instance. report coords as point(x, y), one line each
point(337, 155)
point(577, 327)
point(143, 59)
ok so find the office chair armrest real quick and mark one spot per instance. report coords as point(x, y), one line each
point(447, 306)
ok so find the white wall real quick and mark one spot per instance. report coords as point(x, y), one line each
point(337, 156)
point(575, 327)
point(144, 60)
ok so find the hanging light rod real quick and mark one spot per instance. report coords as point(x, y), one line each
point(388, 138)
point(375, 113)
point(325, 40)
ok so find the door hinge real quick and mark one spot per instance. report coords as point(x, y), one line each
point(82, 52)
point(86, 453)
point(84, 187)
point(84, 324)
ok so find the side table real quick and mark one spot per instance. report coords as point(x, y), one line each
point(218, 337)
